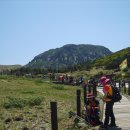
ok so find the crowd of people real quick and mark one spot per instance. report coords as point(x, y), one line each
point(92, 106)
point(68, 79)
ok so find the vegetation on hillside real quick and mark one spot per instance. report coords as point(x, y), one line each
point(108, 62)
point(114, 60)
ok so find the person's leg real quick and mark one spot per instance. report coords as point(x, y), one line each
point(106, 121)
point(112, 115)
point(107, 114)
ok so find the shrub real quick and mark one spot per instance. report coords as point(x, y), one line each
point(20, 103)
point(35, 101)
point(14, 103)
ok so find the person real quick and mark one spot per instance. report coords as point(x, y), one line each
point(107, 98)
point(93, 110)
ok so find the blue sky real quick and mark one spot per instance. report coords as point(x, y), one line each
point(31, 27)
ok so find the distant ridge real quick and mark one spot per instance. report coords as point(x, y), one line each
point(9, 67)
point(68, 55)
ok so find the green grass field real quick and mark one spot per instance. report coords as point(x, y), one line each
point(25, 103)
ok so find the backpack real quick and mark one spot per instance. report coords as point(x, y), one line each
point(116, 96)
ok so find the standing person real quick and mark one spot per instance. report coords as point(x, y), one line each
point(107, 98)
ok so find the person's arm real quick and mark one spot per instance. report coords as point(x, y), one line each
point(105, 97)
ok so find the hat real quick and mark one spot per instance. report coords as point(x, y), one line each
point(103, 78)
point(90, 95)
point(106, 81)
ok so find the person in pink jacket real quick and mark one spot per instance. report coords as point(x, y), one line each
point(107, 98)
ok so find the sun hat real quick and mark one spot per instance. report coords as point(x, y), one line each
point(106, 81)
point(103, 78)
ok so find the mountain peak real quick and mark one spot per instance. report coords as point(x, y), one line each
point(68, 55)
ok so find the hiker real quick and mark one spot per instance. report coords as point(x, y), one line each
point(93, 110)
point(107, 98)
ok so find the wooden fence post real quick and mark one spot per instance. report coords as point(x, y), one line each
point(89, 88)
point(54, 122)
point(85, 93)
point(95, 89)
point(124, 89)
point(119, 85)
point(78, 102)
point(129, 87)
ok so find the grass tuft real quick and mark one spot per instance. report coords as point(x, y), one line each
point(58, 87)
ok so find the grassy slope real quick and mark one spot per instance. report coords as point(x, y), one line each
point(28, 88)
point(115, 59)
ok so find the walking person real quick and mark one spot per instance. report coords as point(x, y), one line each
point(107, 98)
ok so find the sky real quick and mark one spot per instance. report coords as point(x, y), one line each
point(31, 27)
